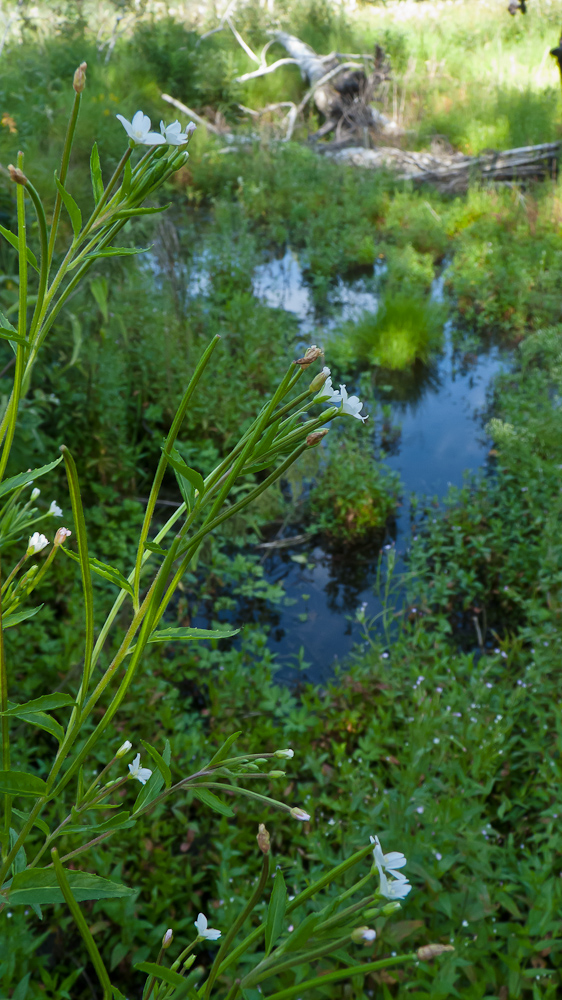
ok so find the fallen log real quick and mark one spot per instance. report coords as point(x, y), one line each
point(453, 172)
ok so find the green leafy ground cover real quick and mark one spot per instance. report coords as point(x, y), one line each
point(449, 755)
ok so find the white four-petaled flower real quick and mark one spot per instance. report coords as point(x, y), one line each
point(54, 509)
point(36, 543)
point(398, 886)
point(139, 130)
point(204, 931)
point(142, 774)
point(351, 405)
point(327, 393)
point(174, 135)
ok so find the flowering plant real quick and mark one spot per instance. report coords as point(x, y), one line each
point(32, 872)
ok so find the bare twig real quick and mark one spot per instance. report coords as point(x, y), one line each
point(264, 70)
point(190, 113)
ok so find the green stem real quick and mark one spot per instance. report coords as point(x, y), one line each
point(271, 967)
point(22, 325)
point(334, 977)
point(5, 734)
point(62, 176)
point(80, 922)
point(44, 269)
point(162, 464)
point(238, 923)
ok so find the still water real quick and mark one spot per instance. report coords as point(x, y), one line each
point(439, 410)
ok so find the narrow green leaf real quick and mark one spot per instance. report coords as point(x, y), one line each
point(39, 823)
point(39, 885)
point(275, 911)
point(5, 323)
point(176, 461)
point(154, 547)
point(100, 290)
point(31, 258)
point(95, 173)
point(212, 801)
point(20, 783)
point(149, 791)
point(126, 181)
point(42, 721)
point(20, 992)
point(171, 634)
point(71, 207)
point(43, 704)
point(160, 763)
point(87, 589)
point(105, 570)
point(8, 334)
point(109, 252)
point(20, 860)
point(160, 972)
point(130, 213)
point(23, 478)
point(20, 616)
point(222, 753)
point(76, 338)
point(120, 820)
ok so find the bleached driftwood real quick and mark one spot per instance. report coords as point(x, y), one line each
point(454, 171)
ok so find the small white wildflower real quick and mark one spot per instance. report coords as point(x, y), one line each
point(142, 774)
point(284, 753)
point(61, 536)
point(397, 888)
point(174, 135)
point(204, 931)
point(36, 543)
point(123, 749)
point(327, 393)
point(139, 130)
point(351, 405)
point(363, 934)
point(54, 509)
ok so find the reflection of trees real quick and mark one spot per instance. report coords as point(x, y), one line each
point(408, 387)
point(352, 571)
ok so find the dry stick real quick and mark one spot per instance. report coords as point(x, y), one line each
point(319, 83)
point(190, 114)
point(264, 70)
point(244, 44)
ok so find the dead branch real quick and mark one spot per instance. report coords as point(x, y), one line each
point(264, 70)
point(191, 114)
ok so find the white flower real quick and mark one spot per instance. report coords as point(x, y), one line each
point(203, 931)
point(327, 393)
point(287, 754)
point(36, 543)
point(142, 774)
point(35, 493)
point(61, 536)
point(54, 509)
point(298, 813)
point(397, 888)
point(174, 135)
point(124, 748)
point(390, 862)
point(365, 934)
point(139, 130)
point(351, 404)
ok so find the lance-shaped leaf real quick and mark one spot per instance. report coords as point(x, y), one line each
point(222, 753)
point(21, 783)
point(184, 633)
point(154, 784)
point(43, 704)
point(7, 334)
point(212, 801)
point(42, 721)
point(9, 620)
point(95, 173)
point(161, 972)
point(276, 911)
point(104, 570)
point(129, 213)
point(71, 207)
point(176, 461)
point(23, 478)
point(109, 252)
point(40, 886)
point(161, 764)
point(120, 821)
point(31, 258)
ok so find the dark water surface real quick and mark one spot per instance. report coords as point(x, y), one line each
point(439, 409)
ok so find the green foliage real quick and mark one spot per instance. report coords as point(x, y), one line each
point(403, 330)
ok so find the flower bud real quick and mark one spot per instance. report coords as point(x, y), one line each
point(318, 380)
point(310, 356)
point(276, 774)
point(391, 908)
point(61, 535)
point(430, 951)
point(363, 935)
point(316, 437)
point(168, 938)
point(284, 753)
point(298, 813)
point(188, 963)
point(126, 746)
point(35, 493)
point(79, 81)
point(263, 839)
point(17, 175)
point(36, 543)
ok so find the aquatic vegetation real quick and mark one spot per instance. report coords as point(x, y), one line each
point(404, 329)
